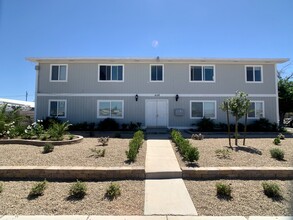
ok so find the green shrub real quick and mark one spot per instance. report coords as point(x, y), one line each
point(223, 189)
point(1, 187)
point(262, 124)
point(277, 141)
point(117, 135)
point(56, 131)
point(184, 147)
point(113, 191)
point(277, 153)
point(271, 190)
point(108, 124)
point(71, 137)
point(78, 190)
point(192, 154)
point(134, 144)
point(38, 189)
point(48, 147)
point(206, 124)
point(223, 153)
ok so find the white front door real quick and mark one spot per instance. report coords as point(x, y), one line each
point(156, 113)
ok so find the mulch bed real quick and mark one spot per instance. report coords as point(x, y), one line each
point(55, 201)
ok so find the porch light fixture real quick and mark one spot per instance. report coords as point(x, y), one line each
point(176, 97)
point(136, 97)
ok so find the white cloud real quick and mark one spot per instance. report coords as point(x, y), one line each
point(155, 43)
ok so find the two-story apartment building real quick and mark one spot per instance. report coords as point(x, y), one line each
point(158, 92)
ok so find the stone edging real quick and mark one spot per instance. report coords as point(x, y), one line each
point(238, 173)
point(41, 143)
point(71, 173)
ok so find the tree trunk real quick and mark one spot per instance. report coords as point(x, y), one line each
point(228, 124)
point(245, 129)
point(236, 131)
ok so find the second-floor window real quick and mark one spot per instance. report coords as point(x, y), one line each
point(202, 73)
point(253, 74)
point(58, 73)
point(157, 73)
point(110, 73)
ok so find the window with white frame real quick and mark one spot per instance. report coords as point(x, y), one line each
point(57, 108)
point(110, 73)
point(202, 73)
point(157, 73)
point(200, 109)
point(253, 73)
point(110, 109)
point(256, 110)
point(58, 73)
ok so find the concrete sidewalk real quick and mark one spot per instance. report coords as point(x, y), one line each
point(165, 191)
point(161, 161)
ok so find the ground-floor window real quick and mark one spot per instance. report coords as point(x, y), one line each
point(200, 109)
point(256, 110)
point(110, 109)
point(57, 108)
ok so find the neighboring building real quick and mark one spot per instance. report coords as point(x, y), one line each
point(158, 92)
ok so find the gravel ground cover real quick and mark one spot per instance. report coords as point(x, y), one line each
point(247, 198)
point(14, 201)
point(243, 155)
point(79, 154)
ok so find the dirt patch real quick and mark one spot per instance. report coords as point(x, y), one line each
point(13, 199)
point(255, 154)
point(248, 199)
point(79, 154)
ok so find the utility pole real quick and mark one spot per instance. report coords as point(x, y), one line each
point(26, 94)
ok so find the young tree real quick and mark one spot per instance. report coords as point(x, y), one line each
point(225, 107)
point(238, 106)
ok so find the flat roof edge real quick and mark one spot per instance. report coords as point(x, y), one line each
point(154, 59)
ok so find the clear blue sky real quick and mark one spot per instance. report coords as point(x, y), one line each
point(137, 28)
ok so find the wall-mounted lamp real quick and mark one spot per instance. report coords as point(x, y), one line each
point(176, 97)
point(158, 58)
point(136, 97)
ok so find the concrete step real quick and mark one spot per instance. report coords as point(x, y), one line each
point(167, 197)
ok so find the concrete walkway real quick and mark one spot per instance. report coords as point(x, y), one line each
point(165, 191)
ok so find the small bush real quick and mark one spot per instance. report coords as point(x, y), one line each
point(71, 137)
point(38, 189)
point(277, 153)
point(56, 131)
point(262, 124)
point(197, 136)
point(184, 147)
point(192, 154)
point(271, 190)
point(223, 153)
point(206, 124)
point(223, 190)
point(281, 136)
point(108, 124)
point(78, 190)
point(113, 191)
point(134, 145)
point(277, 141)
point(98, 152)
point(103, 140)
point(1, 187)
point(48, 147)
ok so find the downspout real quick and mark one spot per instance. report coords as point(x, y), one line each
point(37, 68)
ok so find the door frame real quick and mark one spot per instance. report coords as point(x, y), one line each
point(167, 112)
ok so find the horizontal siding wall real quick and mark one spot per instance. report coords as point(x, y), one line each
point(83, 78)
point(81, 109)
